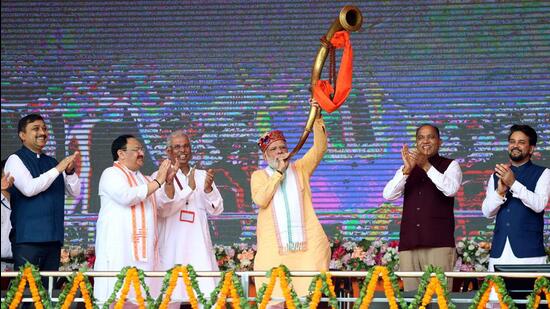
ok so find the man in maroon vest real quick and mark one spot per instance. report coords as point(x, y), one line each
point(428, 183)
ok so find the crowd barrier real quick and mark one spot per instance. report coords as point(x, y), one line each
point(233, 289)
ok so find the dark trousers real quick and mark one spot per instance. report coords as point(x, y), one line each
point(44, 255)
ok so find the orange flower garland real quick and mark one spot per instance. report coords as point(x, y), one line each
point(542, 285)
point(537, 298)
point(228, 288)
point(131, 278)
point(189, 288)
point(278, 273)
point(20, 289)
point(78, 282)
point(434, 287)
point(27, 276)
point(317, 294)
point(286, 289)
point(172, 284)
point(485, 297)
point(388, 289)
point(270, 287)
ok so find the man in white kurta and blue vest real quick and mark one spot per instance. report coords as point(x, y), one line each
point(517, 194)
point(184, 234)
point(126, 230)
point(38, 196)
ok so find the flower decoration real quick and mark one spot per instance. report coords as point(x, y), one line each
point(238, 257)
point(75, 258)
point(348, 255)
point(472, 255)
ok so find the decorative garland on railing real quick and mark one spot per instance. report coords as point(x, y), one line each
point(30, 273)
point(264, 294)
point(391, 288)
point(130, 275)
point(542, 285)
point(231, 285)
point(482, 296)
point(321, 284)
point(430, 285)
point(67, 296)
point(169, 284)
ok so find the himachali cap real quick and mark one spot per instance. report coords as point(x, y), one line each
point(270, 137)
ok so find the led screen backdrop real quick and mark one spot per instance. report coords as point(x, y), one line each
point(228, 71)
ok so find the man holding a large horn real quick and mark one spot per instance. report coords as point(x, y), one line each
point(288, 231)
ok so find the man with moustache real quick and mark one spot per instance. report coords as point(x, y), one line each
point(428, 183)
point(126, 230)
point(184, 234)
point(37, 197)
point(517, 194)
point(288, 231)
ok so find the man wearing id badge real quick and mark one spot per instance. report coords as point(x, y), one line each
point(184, 233)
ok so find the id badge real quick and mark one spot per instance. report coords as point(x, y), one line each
point(187, 216)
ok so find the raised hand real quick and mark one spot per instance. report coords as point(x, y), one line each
point(408, 160)
point(502, 188)
point(208, 180)
point(71, 168)
point(504, 172)
point(172, 172)
point(7, 181)
point(67, 164)
point(315, 104)
point(163, 171)
point(191, 179)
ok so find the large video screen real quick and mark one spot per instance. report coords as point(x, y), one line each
point(228, 71)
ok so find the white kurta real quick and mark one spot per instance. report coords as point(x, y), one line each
point(184, 233)
point(114, 245)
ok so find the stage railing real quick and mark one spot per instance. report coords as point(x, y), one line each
point(245, 281)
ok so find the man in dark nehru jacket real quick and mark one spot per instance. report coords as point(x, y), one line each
point(428, 183)
point(517, 194)
point(38, 196)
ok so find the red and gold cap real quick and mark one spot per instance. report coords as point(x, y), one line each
point(270, 137)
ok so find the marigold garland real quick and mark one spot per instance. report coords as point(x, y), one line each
point(67, 296)
point(482, 296)
point(321, 284)
point(229, 286)
point(130, 276)
point(391, 288)
point(264, 295)
point(542, 285)
point(27, 273)
point(430, 285)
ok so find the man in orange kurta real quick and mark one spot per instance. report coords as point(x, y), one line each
point(288, 231)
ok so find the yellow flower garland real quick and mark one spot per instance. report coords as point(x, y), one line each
point(19, 294)
point(172, 284)
point(434, 287)
point(537, 297)
point(78, 282)
point(317, 294)
point(316, 298)
point(485, 298)
point(278, 273)
point(228, 288)
point(131, 278)
point(27, 276)
point(189, 288)
point(388, 289)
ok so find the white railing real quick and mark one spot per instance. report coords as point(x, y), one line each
point(245, 281)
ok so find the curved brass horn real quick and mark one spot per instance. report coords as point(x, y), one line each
point(349, 19)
